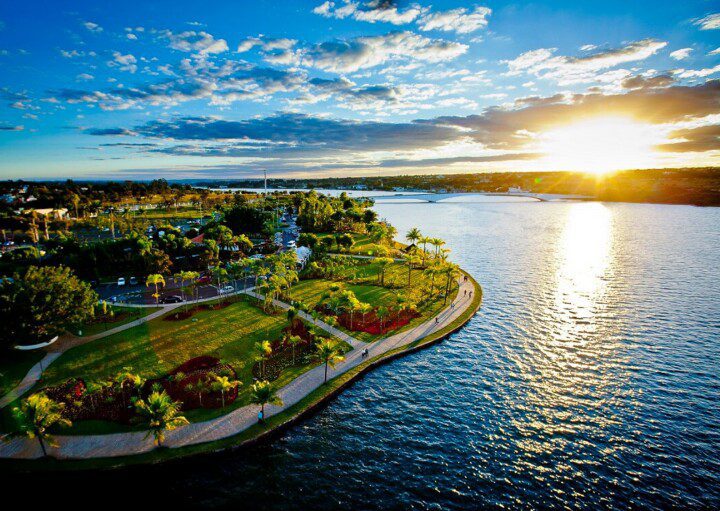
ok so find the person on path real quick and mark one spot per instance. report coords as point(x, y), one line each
point(436, 320)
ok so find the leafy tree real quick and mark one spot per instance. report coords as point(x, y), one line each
point(307, 240)
point(263, 393)
point(155, 280)
point(382, 314)
point(201, 386)
point(224, 384)
point(36, 415)
point(160, 413)
point(383, 263)
point(261, 353)
point(329, 353)
point(41, 303)
point(294, 340)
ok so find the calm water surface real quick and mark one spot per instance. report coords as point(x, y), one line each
point(589, 379)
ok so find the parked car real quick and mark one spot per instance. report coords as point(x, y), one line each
point(133, 281)
point(205, 279)
point(171, 299)
point(121, 281)
point(226, 289)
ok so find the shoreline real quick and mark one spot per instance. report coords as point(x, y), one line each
point(257, 433)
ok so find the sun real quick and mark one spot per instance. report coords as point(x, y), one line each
point(599, 145)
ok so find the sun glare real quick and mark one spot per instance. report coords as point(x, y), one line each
point(599, 145)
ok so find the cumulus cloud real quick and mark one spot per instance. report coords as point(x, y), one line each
point(462, 20)
point(681, 54)
point(371, 11)
point(200, 43)
point(85, 77)
point(697, 73)
point(695, 140)
point(709, 22)
point(345, 56)
point(543, 62)
point(92, 27)
point(123, 62)
point(651, 82)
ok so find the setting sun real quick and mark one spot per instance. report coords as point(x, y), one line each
point(599, 145)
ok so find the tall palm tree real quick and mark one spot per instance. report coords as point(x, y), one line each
point(411, 260)
point(36, 415)
point(413, 235)
point(294, 340)
point(189, 276)
point(155, 280)
point(224, 384)
point(261, 352)
point(329, 352)
point(263, 393)
point(450, 271)
point(424, 240)
point(383, 262)
point(160, 413)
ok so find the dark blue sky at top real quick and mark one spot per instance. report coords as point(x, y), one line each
point(73, 71)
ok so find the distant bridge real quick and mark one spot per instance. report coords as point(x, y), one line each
point(439, 197)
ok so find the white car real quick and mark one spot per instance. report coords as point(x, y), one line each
point(121, 281)
point(226, 289)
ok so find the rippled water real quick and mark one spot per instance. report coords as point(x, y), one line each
point(589, 379)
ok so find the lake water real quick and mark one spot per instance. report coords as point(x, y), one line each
point(589, 379)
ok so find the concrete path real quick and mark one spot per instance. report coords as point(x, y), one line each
point(122, 444)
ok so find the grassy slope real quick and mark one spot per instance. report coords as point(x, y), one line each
point(133, 314)
point(310, 292)
point(14, 366)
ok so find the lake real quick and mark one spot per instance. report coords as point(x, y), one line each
point(589, 379)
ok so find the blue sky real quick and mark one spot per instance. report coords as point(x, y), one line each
point(183, 89)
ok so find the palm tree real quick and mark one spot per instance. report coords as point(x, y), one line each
point(450, 271)
point(160, 413)
point(424, 240)
point(411, 260)
point(413, 235)
point(183, 276)
point(329, 352)
point(431, 272)
point(262, 351)
point(294, 340)
point(291, 315)
point(223, 384)
point(154, 280)
point(364, 309)
point(382, 313)
point(75, 199)
point(36, 415)
point(263, 394)
point(383, 262)
point(201, 386)
point(126, 376)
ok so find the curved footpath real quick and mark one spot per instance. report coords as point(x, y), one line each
point(240, 419)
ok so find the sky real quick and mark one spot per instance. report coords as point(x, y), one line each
point(229, 89)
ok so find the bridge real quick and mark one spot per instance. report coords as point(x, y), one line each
point(439, 197)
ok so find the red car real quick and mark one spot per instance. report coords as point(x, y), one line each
point(205, 279)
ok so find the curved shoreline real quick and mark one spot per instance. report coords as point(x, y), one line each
point(257, 433)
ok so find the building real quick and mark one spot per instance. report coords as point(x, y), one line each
point(303, 256)
point(55, 214)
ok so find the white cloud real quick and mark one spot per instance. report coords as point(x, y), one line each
point(697, 73)
point(716, 51)
point(124, 62)
point(709, 22)
point(92, 27)
point(588, 47)
point(462, 20)
point(132, 37)
point(370, 11)
point(567, 70)
point(681, 54)
point(85, 77)
point(201, 42)
point(346, 56)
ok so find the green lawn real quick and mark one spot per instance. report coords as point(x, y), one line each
point(14, 365)
point(158, 346)
point(367, 290)
point(123, 316)
point(362, 245)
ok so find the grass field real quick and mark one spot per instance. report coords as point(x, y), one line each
point(14, 365)
point(124, 315)
point(362, 245)
point(367, 290)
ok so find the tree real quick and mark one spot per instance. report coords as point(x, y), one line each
point(75, 200)
point(294, 340)
point(413, 235)
point(36, 415)
point(329, 353)
point(126, 377)
point(450, 271)
point(189, 276)
point(437, 243)
point(224, 384)
point(155, 280)
point(424, 240)
point(261, 352)
point(263, 393)
point(382, 262)
point(201, 386)
point(291, 316)
point(42, 303)
point(411, 260)
point(160, 413)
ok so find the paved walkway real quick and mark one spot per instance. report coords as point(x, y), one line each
point(122, 444)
